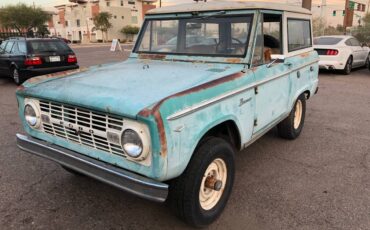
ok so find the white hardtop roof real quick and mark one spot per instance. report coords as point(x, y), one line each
point(227, 5)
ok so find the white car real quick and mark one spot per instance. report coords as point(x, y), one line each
point(341, 53)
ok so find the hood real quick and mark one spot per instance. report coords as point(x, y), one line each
point(126, 88)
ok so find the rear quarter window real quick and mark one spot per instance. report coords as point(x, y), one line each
point(42, 46)
point(299, 34)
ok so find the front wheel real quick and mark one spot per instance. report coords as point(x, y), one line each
point(200, 194)
point(292, 126)
point(367, 63)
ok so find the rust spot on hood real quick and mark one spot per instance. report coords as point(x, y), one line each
point(55, 75)
point(20, 88)
point(152, 56)
point(305, 54)
point(157, 115)
point(234, 60)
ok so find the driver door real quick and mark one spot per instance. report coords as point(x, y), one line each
point(273, 79)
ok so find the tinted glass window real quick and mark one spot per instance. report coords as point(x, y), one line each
point(2, 47)
point(15, 49)
point(47, 46)
point(9, 47)
point(22, 47)
point(327, 41)
point(299, 34)
point(355, 42)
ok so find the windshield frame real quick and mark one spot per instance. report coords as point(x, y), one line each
point(251, 19)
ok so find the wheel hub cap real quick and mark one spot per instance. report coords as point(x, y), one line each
point(213, 184)
point(298, 114)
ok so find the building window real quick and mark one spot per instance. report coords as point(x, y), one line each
point(121, 3)
point(108, 3)
point(78, 23)
point(123, 17)
point(66, 23)
point(134, 19)
point(131, 2)
point(115, 16)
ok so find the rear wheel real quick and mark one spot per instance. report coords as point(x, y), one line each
point(292, 126)
point(348, 68)
point(17, 76)
point(200, 194)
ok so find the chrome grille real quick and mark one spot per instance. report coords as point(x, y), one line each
point(82, 126)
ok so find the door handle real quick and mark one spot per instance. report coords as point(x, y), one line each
point(289, 64)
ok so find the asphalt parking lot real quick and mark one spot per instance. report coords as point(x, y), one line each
point(319, 181)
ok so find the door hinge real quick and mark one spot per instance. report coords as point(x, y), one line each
point(256, 90)
point(255, 122)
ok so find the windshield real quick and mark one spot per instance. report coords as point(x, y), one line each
point(327, 41)
point(221, 36)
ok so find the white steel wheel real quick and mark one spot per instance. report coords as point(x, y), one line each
point(298, 114)
point(213, 184)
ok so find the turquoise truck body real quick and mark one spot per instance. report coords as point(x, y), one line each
point(179, 98)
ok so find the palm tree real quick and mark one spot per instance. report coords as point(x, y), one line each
point(102, 23)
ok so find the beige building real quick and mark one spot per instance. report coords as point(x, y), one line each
point(74, 21)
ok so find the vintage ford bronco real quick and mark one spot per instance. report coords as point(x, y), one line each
point(203, 81)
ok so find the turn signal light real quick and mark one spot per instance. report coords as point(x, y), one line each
point(332, 52)
point(72, 59)
point(33, 61)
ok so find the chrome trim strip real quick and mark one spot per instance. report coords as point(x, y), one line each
point(130, 182)
point(267, 128)
point(212, 101)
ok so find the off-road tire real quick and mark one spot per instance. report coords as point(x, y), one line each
point(287, 128)
point(184, 192)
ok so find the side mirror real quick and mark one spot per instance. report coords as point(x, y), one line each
point(275, 58)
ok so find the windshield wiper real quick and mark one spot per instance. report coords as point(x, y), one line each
point(209, 16)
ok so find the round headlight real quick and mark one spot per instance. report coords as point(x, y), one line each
point(132, 143)
point(30, 115)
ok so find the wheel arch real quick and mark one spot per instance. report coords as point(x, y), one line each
point(215, 128)
point(226, 129)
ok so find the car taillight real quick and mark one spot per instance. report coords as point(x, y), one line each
point(33, 61)
point(72, 59)
point(332, 52)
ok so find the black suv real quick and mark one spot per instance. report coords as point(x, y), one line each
point(22, 58)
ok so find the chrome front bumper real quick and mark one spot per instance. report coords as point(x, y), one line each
point(130, 182)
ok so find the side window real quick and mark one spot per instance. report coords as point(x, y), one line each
point(272, 33)
point(22, 47)
point(299, 34)
point(355, 42)
point(348, 42)
point(2, 47)
point(257, 58)
point(9, 47)
point(15, 49)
